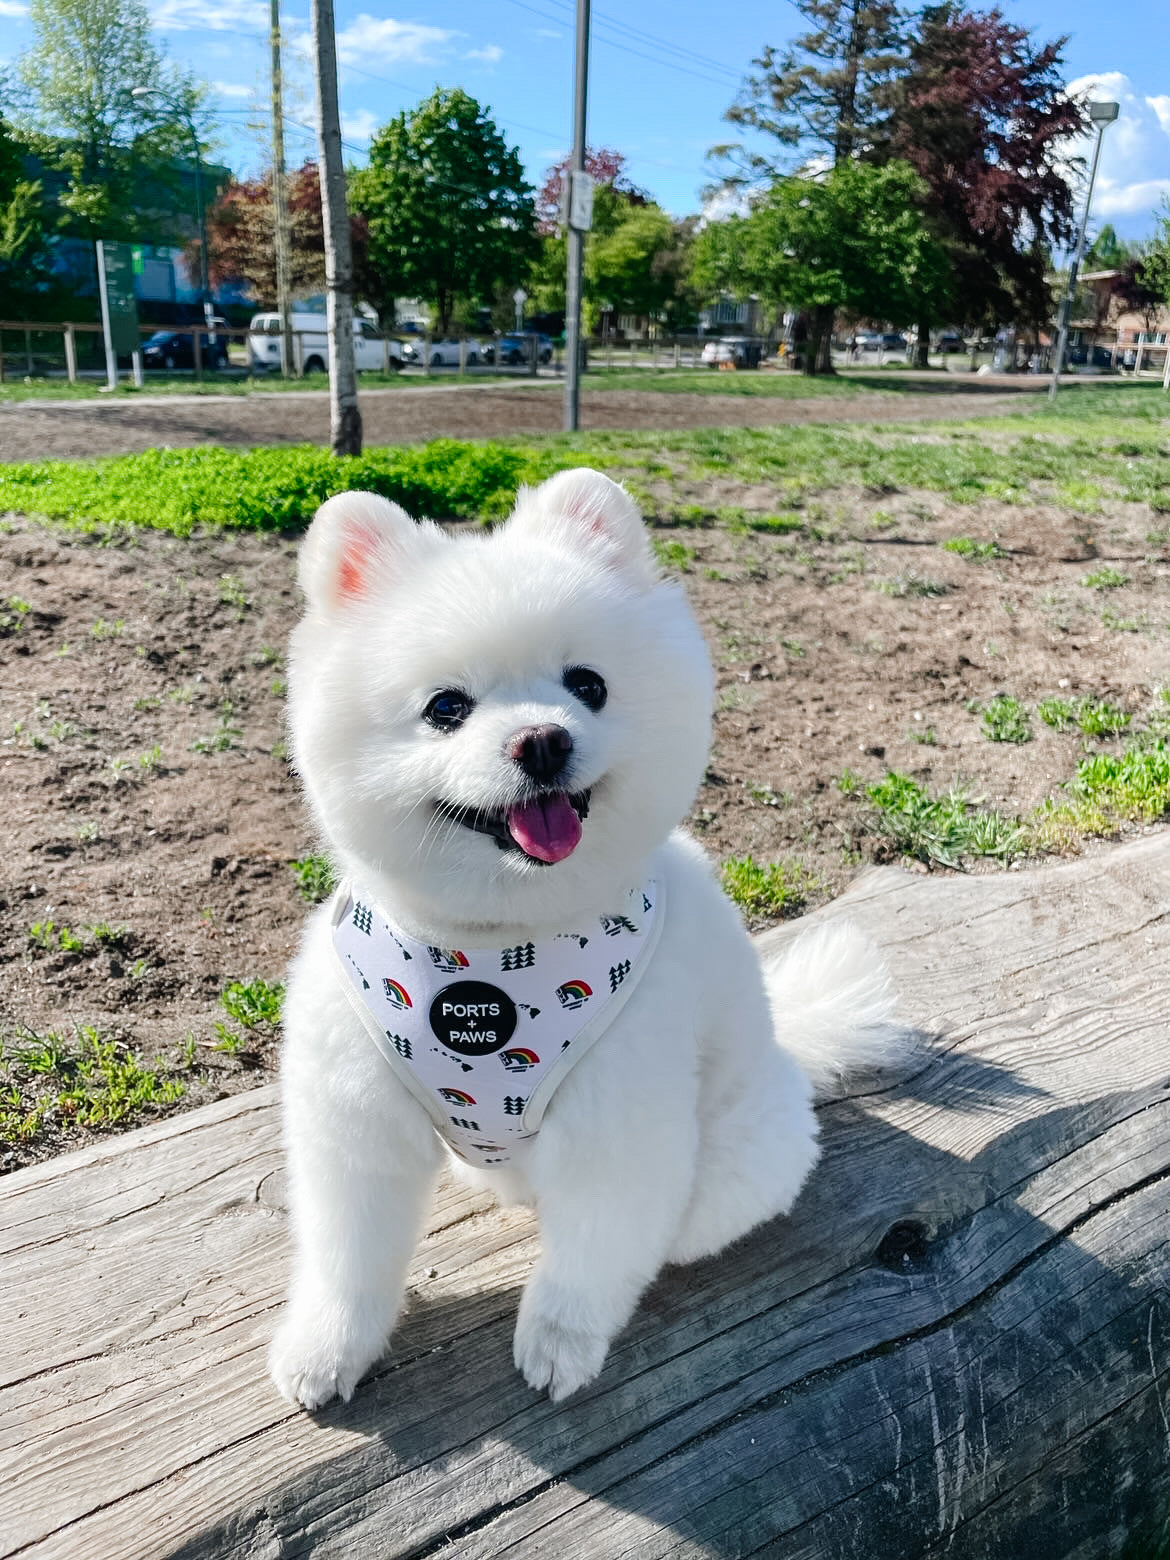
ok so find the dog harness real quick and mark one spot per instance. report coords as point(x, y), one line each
point(483, 1036)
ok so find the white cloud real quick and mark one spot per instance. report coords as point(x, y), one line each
point(209, 15)
point(1161, 107)
point(12, 8)
point(1134, 172)
point(232, 89)
point(359, 126)
point(490, 54)
point(384, 41)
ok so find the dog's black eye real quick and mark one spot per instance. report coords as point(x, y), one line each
point(587, 686)
point(449, 709)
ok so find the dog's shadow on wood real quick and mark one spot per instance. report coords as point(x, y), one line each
point(830, 1373)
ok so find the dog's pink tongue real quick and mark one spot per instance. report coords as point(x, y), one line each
point(549, 829)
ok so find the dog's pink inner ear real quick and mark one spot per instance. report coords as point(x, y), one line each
point(357, 550)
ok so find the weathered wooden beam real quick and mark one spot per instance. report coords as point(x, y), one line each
point(958, 1342)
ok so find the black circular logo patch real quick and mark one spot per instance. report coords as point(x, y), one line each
point(473, 1018)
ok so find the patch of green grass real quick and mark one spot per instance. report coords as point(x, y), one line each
point(103, 630)
point(1099, 718)
point(1124, 625)
point(944, 829)
point(1107, 791)
point(781, 888)
point(49, 1083)
point(276, 489)
point(975, 552)
point(254, 1004)
point(316, 877)
point(774, 525)
point(1028, 456)
point(232, 593)
point(1006, 720)
point(224, 735)
point(1104, 578)
point(674, 555)
point(13, 615)
point(1060, 714)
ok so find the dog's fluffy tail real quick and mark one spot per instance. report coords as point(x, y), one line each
point(833, 1004)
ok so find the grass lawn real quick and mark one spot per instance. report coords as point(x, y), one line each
point(1086, 449)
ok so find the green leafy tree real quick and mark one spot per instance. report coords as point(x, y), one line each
point(449, 212)
point(853, 240)
point(24, 253)
point(1107, 252)
point(635, 260)
point(826, 97)
point(637, 257)
point(117, 152)
point(1155, 263)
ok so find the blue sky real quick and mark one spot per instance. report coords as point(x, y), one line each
point(662, 73)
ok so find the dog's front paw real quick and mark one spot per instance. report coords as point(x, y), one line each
point(554, 1346)
point(311, 1367)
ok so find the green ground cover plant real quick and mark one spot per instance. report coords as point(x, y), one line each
point(316, 877)
point(279, 489)
point(775, 888)
point(88, 1079)
point(943, 829)
point(1006, 720)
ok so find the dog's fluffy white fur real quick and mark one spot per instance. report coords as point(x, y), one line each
point(706, 1128)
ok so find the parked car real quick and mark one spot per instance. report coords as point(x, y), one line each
point(881, 341)
point(725, 349)
point(176, 349)
point(517, 348)
point(311, 344)
point(439, 352)
point(949, 341)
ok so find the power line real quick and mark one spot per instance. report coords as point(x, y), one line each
point(640, 35)
point(659, 43)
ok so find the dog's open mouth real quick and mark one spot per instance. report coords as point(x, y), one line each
point(546, 829)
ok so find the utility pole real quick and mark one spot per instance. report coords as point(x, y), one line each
point(280, 199)
point(345, 418)
point(578, 209)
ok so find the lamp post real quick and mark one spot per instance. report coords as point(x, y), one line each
point(1102, 115)
point(200, 213)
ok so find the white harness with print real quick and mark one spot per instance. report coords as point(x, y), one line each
point(483, 1036)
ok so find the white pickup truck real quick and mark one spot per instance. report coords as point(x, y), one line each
point(311, 344)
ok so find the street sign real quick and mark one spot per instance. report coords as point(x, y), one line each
point(119, 305)
point(580, 201)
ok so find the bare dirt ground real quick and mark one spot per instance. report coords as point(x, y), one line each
point(38, 430)
point(150, 814)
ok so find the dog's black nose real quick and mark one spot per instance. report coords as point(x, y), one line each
point(541, 751)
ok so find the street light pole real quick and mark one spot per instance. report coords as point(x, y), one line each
point(1102, 115)
point(200, 210)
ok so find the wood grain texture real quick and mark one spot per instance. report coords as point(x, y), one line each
point(958, 1343)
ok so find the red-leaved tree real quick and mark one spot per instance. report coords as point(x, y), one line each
point(241, 243)
point(984, 121)
point(605, 166)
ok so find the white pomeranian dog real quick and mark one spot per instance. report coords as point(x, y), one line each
point(528, 973)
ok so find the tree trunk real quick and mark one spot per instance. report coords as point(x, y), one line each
point(818, 359)
point(922, 345)
point(345, 418)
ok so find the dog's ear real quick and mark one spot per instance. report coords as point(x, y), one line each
point(586, 509)
point(355, 540)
